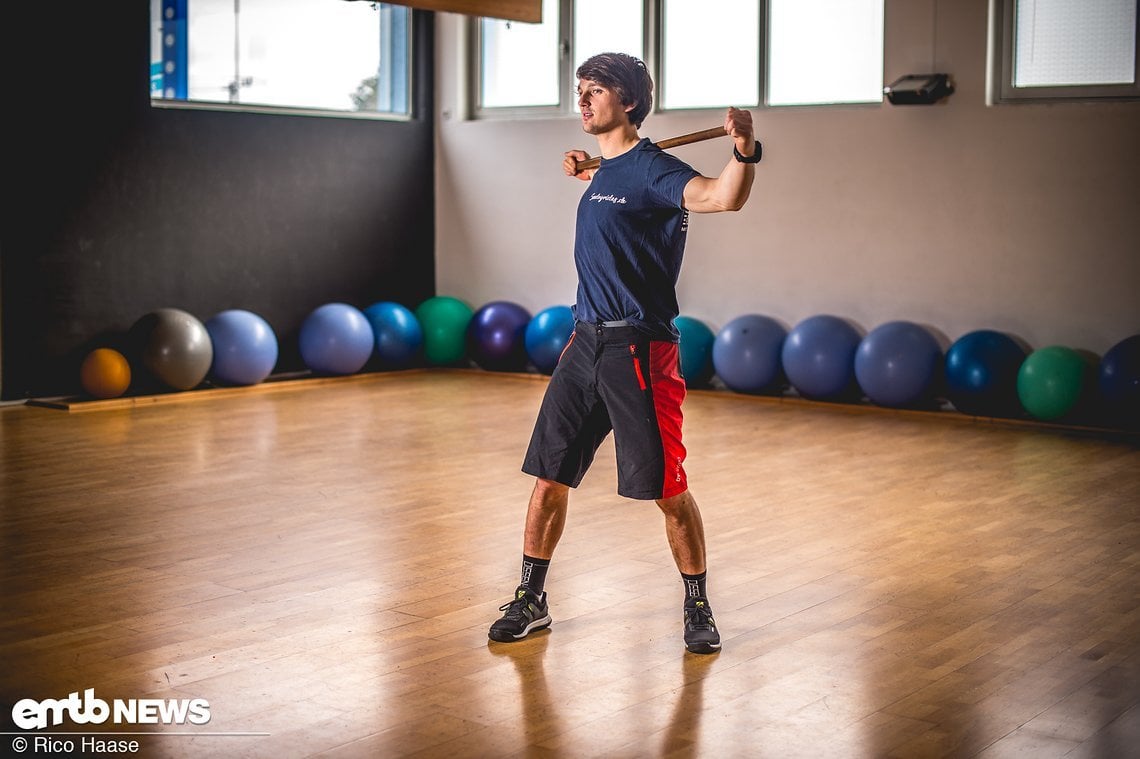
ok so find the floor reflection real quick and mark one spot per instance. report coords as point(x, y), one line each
point(541, 717)
point(683, 736)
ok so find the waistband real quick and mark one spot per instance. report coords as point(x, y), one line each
point(621, 328)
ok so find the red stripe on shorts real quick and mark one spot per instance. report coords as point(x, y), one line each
point(668, 393)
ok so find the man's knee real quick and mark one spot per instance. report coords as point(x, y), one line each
point(677, 504)
point(550, 491)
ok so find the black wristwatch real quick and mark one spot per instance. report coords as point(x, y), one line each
point(754, 158)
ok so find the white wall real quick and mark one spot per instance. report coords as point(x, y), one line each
point(960, 216)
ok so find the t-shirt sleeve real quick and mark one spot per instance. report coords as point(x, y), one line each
point(668, 176)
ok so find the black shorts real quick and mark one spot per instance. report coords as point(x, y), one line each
point(613, 378)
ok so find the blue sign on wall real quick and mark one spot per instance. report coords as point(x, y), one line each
point(174, 73)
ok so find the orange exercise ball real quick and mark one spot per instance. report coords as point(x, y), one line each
point(105, 373)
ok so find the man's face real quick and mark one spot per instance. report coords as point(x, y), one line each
point(602, 110)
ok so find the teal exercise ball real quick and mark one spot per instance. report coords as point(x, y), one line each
point(444, 321)
point(696, 350)
point(1051, 381)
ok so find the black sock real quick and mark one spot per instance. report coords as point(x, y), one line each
point(534, 573)
point(695, 585)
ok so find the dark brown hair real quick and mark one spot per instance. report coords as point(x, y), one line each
point(625, 75)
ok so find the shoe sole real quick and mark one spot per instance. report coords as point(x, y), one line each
point(703, 648)
point(500, 636)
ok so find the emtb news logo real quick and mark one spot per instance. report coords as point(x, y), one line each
point(29, 714)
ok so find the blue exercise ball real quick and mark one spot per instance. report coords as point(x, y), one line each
point(696, 350)
point(897, 364)
point(981, 373)
point(818, 357)
point(245, 347)
point(746, 353)
point(496, 336)
point(397, 334)
point(336, 338)
point(1118, 379)
point(546, 336)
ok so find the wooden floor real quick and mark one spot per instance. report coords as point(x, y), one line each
point(321, 563)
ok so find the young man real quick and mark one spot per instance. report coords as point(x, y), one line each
point(620, 369)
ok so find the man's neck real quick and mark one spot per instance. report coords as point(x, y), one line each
point(613, 143)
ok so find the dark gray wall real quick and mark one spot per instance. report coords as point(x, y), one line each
point(115, 208)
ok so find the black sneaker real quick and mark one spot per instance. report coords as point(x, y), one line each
point(701, 636)
point(524, 615)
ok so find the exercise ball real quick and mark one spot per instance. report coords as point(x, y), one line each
point(897, 364)
point(1118, 379)
point(397, 334)
point(496, 336)
point(335, 338)
point(981, 373)
point(546, 336)
point(696, 350)
point(1051, 381)
point(174, 347)
point(105, 373)
point(746, 353)
point(245, 347)
point(444, 322)
point(819, 357)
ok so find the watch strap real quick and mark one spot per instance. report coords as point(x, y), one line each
point(754, 158)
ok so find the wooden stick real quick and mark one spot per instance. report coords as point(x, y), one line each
point(670, 142)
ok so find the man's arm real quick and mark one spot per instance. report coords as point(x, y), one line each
point(730, 190)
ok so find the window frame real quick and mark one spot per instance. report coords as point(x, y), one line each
point(653, 42)
point(765, 73)
point(475, 84)
point(284, 110)
point(657, 33)
point(567, 104)
point(1002, 89)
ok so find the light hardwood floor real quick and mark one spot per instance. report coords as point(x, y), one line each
point(320, 562)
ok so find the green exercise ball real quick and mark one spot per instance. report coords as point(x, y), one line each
point(1051, 381)
point(444, 322)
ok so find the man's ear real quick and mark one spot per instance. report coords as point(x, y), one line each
point(630, 107)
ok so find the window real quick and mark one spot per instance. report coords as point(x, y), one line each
point(622, 32)
point(825, 51)
point(521, 62)
point(529, 68)
point(351, 58)
point(702, 54)
point(1065, 49)
point(703, 40)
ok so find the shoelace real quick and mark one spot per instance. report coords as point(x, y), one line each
point(516, 608)
point(699, 618)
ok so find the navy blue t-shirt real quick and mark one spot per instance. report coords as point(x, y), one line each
point(630, 239)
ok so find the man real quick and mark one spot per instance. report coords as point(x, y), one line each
point(620, 369)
